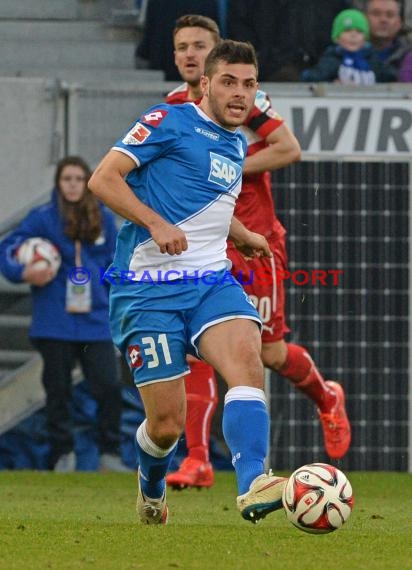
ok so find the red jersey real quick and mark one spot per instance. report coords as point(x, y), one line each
point(254, 207)
point(180, 95)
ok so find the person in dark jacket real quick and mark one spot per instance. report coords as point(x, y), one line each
point(350, 60)
point(70, 320)
point(288, 35)
point(390, 37)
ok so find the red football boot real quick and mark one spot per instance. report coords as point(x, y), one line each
point(335, 424)
point(191, 473)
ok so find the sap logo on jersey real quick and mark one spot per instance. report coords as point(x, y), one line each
point(223, 171)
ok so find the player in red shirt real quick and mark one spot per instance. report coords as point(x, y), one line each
point(271, 146)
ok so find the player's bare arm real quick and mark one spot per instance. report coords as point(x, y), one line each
point(109, 186)
point(250, 244)
point(283, 149)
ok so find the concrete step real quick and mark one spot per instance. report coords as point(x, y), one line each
point(21, 393)
point(40, 9)
point(14, 333)
point(56, 31)
point(15, 299)
point(15, 340)
point(119, 12)
point(65, 54)
point(15, 305)
point(43, 30)
point(11, 359)
point(4, 373)
point(15, 321)
point(8, 288)
point(125, 18)
point(142, 78)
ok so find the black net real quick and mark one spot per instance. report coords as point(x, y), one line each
point(351, 217)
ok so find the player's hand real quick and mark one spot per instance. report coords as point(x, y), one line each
point(38, 276)
point(253, 245)
point(169, 238)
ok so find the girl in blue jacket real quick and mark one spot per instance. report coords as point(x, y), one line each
point(70, 320)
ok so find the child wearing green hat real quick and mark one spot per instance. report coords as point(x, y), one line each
point(351, 60)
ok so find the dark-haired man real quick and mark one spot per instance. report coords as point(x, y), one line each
point(387, 35)
point(171, 292)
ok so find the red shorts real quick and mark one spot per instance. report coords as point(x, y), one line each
point(266, 292)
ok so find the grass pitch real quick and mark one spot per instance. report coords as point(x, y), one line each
point(88, 521)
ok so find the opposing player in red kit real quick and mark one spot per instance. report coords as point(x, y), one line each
point(271, 145)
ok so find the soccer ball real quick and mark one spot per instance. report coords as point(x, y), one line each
point(39, 251)
point(318, 498)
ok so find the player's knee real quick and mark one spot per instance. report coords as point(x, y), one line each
point(168, 430)
point(273, 362)
point(274, 355)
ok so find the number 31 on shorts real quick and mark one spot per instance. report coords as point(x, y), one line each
point(155, 349)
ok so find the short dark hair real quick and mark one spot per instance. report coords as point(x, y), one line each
point(230, 51)
point(197, 21)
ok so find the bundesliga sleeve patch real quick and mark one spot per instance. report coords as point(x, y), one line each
point(137, 135)
point(154, 118)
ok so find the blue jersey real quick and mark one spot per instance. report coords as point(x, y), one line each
point(188, 170)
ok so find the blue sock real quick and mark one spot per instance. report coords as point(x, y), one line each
point(246, 431)
point(153, 463)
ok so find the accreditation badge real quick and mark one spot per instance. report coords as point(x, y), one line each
point(78, 297)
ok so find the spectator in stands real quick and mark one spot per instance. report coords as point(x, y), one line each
point(389, 38)
point(70, 313)
point(289, 36)
point(160, 18)
point(350, 60)
point(405, 71)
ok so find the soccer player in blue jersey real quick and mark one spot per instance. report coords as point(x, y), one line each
point(171, 292)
